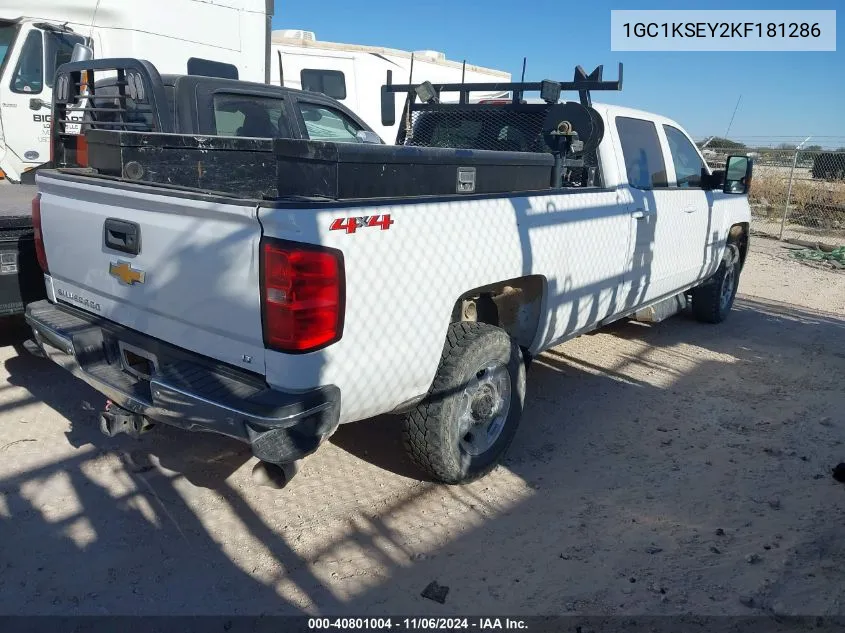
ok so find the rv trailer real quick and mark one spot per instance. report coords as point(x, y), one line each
point(353, 74)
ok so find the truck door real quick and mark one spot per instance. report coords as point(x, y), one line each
point(669, 217)
point(702, 221)
point(27, 82)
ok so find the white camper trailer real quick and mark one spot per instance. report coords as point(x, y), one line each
point(38, 36)
point(354, 74)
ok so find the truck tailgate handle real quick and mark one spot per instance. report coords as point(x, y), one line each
point(123, 236)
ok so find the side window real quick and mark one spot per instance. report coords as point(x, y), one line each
point(327, 124)
point(29, 73)
point(59, 51)
point(7, 36)
point(227, 122)
point(249, 115)
point(642, 153)
point(331, 83)
point(688, 163)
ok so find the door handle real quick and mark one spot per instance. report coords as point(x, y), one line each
point(689, 209)
point(122, 236)
point(639, 214)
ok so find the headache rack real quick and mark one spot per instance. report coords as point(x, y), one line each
point(549, 90)
point(571, 131)
point(108, 94)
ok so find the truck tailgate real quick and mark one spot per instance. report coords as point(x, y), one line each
point(194, 281)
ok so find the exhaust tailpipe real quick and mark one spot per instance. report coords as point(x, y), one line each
point(275, 476)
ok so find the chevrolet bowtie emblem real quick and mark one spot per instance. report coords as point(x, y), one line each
point(126, 274)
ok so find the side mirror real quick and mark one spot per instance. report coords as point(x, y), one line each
point(711, 182)
point(388, 103)
point(738, 171)
point(371, 138)
point(81, 53)
point(36, 104)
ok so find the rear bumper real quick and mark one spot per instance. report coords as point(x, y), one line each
point(184, 389)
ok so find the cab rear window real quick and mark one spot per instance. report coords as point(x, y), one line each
point(249, 116)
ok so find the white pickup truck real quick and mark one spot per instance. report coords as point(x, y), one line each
point(368, 279)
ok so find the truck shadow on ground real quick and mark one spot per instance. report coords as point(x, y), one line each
point(128, 504)
point(605, 455)
point(13, 330)
point(631, 479)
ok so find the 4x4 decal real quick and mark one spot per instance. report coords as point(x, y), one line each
point(350, 225)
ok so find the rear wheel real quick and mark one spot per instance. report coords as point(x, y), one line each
point(713, 300)
point(468, 420)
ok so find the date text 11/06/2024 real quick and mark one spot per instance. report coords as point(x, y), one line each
point(415, 624)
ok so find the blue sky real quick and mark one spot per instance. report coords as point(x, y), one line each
point(783, 94)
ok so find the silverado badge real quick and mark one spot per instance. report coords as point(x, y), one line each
point(126, 274)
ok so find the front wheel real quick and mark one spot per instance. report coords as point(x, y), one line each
point(466, 423)
point(713, 300)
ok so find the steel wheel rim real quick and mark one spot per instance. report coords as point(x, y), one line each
point(484, 408)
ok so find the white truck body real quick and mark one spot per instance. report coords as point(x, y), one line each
point(353, 74)
point(600, 254)
point(165, 32)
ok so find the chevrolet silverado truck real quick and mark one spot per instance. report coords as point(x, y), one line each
point(271, 289)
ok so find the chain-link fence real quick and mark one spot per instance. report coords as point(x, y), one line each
point(796, 194)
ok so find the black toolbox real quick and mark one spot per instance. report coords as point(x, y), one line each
point(288, 168)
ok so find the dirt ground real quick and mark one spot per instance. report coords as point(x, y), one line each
point(676, 468)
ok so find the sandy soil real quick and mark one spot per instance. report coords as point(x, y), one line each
point(676, 468)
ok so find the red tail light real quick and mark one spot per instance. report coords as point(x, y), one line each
point(303, 296)
point(40, 253)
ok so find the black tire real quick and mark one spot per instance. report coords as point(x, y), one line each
point(712, 301)
point(432, 430)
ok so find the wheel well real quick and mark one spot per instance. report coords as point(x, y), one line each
point(513, 305)
point(739, 235)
